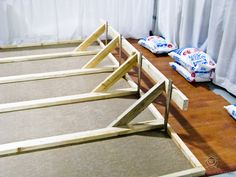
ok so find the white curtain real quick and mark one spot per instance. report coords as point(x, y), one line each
point(206, 24)
point(27, 21)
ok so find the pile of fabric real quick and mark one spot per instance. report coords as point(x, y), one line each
point(193, 64)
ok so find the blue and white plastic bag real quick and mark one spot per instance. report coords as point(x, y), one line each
point(156, 44)
point(193, 59)
point(191, 77)
point(231, 110)
point(193, 64)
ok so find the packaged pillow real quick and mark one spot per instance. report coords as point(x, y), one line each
point(231, 110)
point(193, 59)
point(191, 77)
point(156, 44)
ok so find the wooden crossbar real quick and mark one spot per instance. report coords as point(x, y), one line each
point(47, 56)
point(76, 138)
point(40, 44)
point(8, 107)
point(137, 107)
point(92, 38)
point(102, 54)
point(119, 73)
point(56, 74)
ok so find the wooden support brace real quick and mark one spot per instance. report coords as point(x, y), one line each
point(92, 38)
point(47, 56)
point(142, 103)
point(102, 54)
point(56, 74)
point(8, 107)
point(177, 96)
point(110, 56)
point(119, 73)
point(77, 138)
point(167, 107)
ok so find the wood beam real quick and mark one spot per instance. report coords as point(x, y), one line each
point(47, 56)
point(41, 44)
point(91, 39)
point(46, 102)
point(102, 54)
point(77, 138)
point(142, 103)
point(119, 73)
point(56, 74)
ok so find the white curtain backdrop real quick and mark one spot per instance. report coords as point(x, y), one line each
point(206, 24)
point(27, 21)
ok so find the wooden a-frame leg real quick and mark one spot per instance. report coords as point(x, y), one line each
point(102, 54)
point(92, 38)
point(117, 74)
point(167, 107)
point(142, 103)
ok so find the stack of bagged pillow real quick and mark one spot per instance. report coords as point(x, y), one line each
point(192, 63)
point(157, 44)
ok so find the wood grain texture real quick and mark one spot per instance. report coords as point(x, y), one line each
point(55, 74)
point(47, 56)
point(206, 128)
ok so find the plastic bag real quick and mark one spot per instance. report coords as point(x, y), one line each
point(193, 59)
point(191, 77)
point(231, 110)
point(156, 44)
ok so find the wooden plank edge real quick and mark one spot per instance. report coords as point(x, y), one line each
point(47, 56)
point(197, 171)
point(46, 102)
point(76, 138)
point(186, 151)
point(56, 74)
point(177, 96)
point(42, 44)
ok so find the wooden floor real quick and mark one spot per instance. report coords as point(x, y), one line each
point(206, 128)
